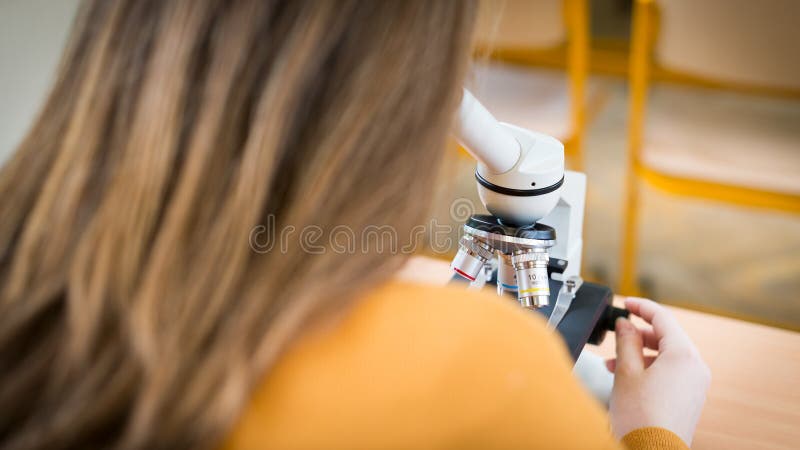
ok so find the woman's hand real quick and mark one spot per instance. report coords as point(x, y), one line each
point(667, 390)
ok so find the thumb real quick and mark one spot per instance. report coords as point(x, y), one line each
point(630, 359)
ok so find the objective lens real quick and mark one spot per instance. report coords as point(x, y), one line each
point(472, 255)
point(533, 283)
point(506, 277)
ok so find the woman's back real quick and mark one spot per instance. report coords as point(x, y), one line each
point(416, 366)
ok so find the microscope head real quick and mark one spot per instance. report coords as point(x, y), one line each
point(519, 173)
point(531, 189)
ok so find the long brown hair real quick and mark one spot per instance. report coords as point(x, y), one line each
point(133, 311)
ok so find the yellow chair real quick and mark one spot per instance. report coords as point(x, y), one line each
point(543, 33)
point(720, 46)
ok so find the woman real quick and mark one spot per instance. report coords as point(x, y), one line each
point(135, 313)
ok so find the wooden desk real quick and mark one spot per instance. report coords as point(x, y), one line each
point(754, 400)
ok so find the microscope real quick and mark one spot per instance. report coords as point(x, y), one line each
point(530, 244)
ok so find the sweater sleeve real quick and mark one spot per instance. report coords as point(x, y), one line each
point(653, 438)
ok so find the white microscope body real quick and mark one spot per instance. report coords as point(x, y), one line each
point(534, 232)
point(521, 182)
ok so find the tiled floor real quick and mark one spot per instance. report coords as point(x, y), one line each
point(737, 261)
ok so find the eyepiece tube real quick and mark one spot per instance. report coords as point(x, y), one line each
point(484, 138)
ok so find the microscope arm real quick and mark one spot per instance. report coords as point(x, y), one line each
point(484, 138)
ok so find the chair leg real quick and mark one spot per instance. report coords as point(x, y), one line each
point(628, 284)
point(641, 43)
point(577, 68)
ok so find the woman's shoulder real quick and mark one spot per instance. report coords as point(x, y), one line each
point(401, 325)
point(450, 312)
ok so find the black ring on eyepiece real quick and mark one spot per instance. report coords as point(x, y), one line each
point(518, 192)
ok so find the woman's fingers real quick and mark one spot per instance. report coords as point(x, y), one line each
point(611, 364)
point(649, 338)
point(665, 326)
point(629, 348)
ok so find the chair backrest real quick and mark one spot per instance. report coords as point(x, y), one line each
point(744, 42)
point(521, 24)
point(32, 35)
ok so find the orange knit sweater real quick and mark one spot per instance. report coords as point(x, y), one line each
point(415, 367)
